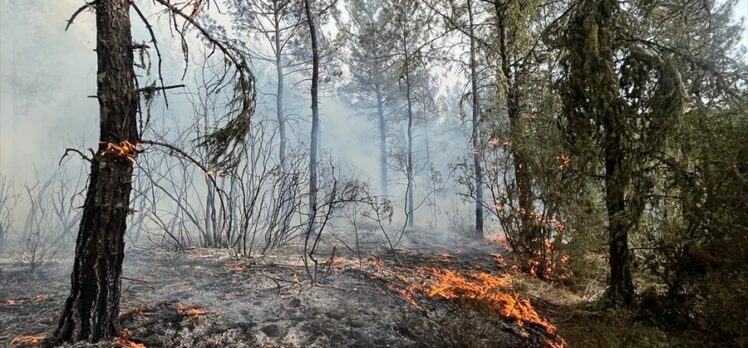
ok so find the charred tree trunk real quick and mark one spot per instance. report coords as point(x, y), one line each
point(92, 308)
point(477, 147)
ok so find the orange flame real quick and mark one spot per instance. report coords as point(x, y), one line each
point(337, 261)
point(125, 149)
point(407, 294)
point(549, 263)
point(40, 297)
point(499, 239)
point(192, 312)
point(124, 341)
point(563, 161)
point(376, 262)
point(490, 291)
point(239, 267)
point(26, 340)
point(11, 303)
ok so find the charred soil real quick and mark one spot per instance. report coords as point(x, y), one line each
point(210, 298)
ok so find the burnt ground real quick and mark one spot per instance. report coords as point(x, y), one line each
point(270, 301)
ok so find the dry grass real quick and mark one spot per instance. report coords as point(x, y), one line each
point(583, 321)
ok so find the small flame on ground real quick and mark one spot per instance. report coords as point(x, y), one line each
point(407, 294)
point(40, 297)
point(376, 262)
point(239, 267)
point(11, 303)
point(493, 292)
point(26, 340)
point(192, 312)
point(124, 340)
point(337, 261)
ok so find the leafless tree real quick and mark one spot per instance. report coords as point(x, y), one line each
point(8, 202)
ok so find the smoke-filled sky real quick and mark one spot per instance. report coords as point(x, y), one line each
point(47, 73)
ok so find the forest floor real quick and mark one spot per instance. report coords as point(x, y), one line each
point(425, 295)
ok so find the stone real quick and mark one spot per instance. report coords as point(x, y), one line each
point(294, 303)
point(272, 330)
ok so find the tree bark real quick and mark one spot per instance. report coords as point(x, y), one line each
point(315, 116)
point(409, 166)
point(477, 147)
point(91, 310)
point(286, 200)
point(279, 96)
point(621, 287)
point(383, 181)
point(530, 242)
point(593, 95)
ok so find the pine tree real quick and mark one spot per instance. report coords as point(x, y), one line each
point(617, 116)
point(369, 59)
point(92, 309)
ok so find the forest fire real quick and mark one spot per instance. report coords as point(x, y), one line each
point(11, 303)
point(124, 149)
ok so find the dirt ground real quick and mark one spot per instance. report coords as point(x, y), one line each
point(212, 298)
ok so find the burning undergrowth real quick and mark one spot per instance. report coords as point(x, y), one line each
point(470, 285)
point(209, 298)
point(492, 292)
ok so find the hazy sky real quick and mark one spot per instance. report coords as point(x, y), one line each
point(46, 74)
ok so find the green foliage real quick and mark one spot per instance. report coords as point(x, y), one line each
point(696, 232)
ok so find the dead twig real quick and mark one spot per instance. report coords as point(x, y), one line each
point(79, 11)
point(68, 150)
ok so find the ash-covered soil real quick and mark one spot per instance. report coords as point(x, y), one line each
point(212, 298)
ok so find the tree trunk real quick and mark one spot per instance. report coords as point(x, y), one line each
point(382, 145)
point(286, 199)
point(409, 166)
point(279, 96)
point(477, 148)
point(315, 116)
point(621, 288)
point(529, 241)
point(92, 308)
